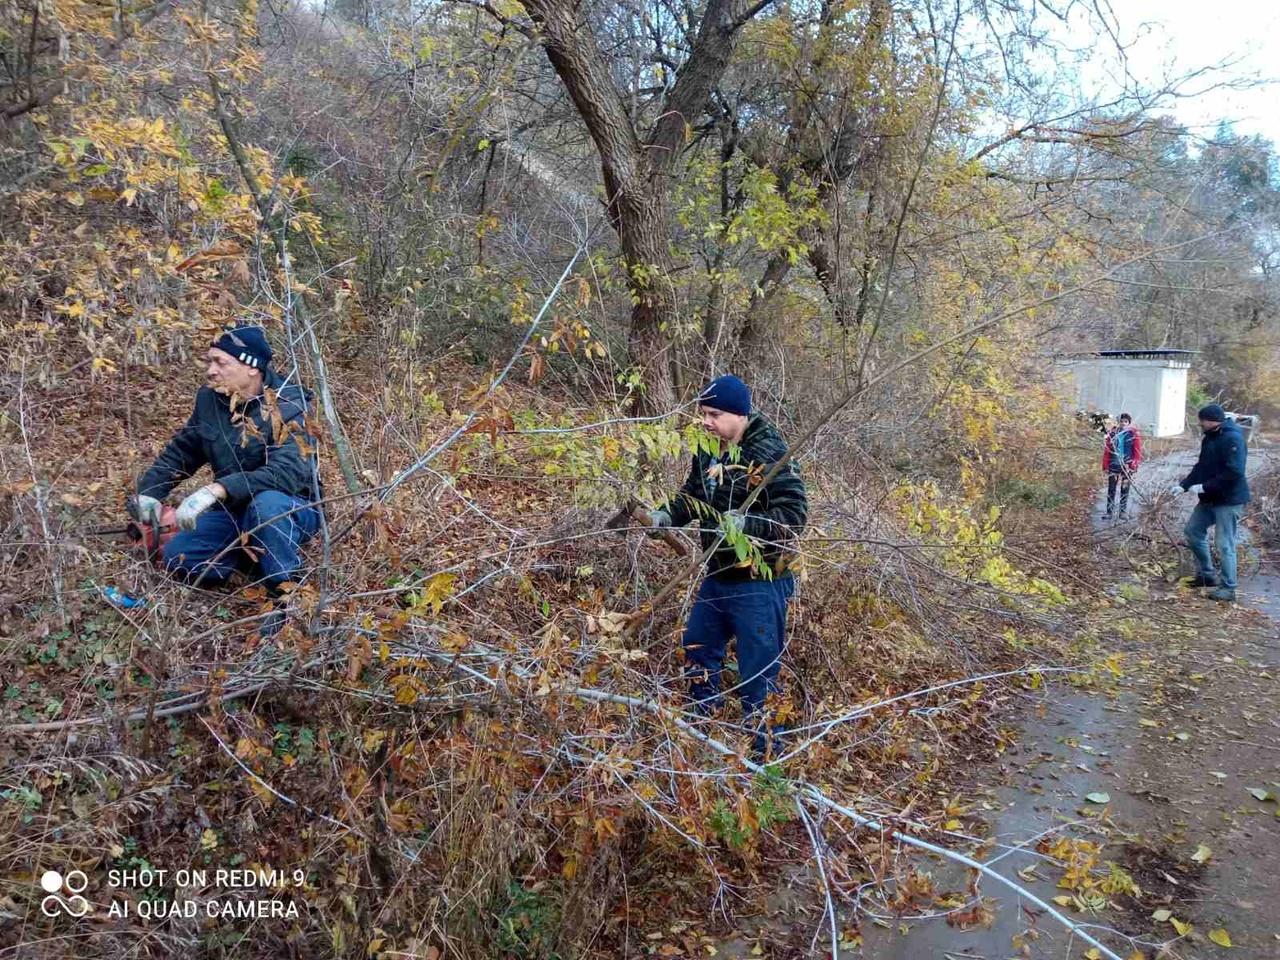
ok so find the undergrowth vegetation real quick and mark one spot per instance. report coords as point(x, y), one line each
point(470, 740)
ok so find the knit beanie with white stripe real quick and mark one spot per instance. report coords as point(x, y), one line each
point(248, 345)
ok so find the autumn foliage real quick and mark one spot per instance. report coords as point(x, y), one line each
point(469, 738)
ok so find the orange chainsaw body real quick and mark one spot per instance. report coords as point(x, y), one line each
point(151, 540)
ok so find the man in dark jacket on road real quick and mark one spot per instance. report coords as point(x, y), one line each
point(749, 580)
point(1219, 478)
point(248, 426)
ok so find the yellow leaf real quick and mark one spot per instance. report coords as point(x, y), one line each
point(1063, 901)
point(1137, 955)
point(439, 588)
point(1202, 854)
point(129, 195)
point(406, 693)
point(208, 839)
point(1182, 928)
point(1092, 954)
point(262, 792)
point(1220, 937)
point(952, 825)
point(75, 198)
point(453, 642)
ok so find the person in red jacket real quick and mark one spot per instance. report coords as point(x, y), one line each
point(1121, 454)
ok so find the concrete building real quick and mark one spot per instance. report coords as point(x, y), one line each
point(1149, 384)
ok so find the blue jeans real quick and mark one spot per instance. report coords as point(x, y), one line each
point(754, 612)
point(209, 554)
point(1225, 521)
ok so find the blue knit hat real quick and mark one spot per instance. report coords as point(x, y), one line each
point(247, 344)
point(1212, 412)
point(729, 394)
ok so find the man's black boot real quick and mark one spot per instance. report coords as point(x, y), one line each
point(1202, 581)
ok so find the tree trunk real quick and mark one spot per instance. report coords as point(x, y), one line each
point(636, 172)
point(640, 216)
point(753, 335)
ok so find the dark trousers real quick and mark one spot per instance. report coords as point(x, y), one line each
point(209, 554)
point(1123, 480)
point(754, 613)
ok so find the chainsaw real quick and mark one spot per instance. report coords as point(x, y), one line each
point(149, 539)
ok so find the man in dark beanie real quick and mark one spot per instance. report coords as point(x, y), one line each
point(1219, 478)
point(248, 426)
point(749, 579)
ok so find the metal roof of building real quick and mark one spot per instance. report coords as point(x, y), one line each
point(1147, 354)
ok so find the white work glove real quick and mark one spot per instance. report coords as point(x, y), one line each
point(147, 510)
point(191, 508)
point(1177, 490)
point(658, 519)
point(1196, 488)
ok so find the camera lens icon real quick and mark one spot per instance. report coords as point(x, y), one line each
point(52, 883)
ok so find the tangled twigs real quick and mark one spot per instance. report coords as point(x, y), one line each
point(804, 791)
point(819, 847)
point(345, 827)
point(421, 463)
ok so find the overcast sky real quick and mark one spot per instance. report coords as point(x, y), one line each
point(1169, 37)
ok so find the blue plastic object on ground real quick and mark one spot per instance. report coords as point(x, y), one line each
point(117, 597)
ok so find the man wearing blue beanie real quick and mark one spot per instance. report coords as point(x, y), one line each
point(246, 425)
point(1219, 478)
point(748, 580)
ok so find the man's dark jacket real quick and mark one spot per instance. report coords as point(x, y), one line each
point(245, 459)
point(1221, 468)
point(718, 484)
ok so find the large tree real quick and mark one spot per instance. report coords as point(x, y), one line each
point(637, 158)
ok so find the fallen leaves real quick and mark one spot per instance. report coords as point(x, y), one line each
point(1202, 854)
point(1220, 937)
point(1100, 796)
